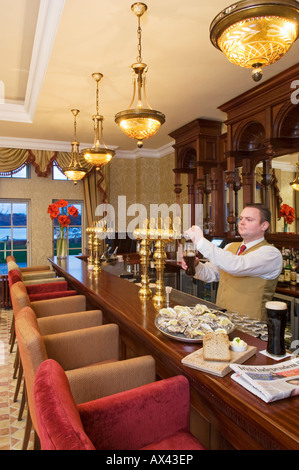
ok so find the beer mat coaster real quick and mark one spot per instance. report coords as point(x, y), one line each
point(276, 358)
point(195, 360)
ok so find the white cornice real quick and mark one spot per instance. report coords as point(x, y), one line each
point(46, 27)
point(150, 153)
point(59, 146)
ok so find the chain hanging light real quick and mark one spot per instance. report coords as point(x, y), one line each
point(139, 122)
point(253, 34)
point(99, 154)
point(75, 171)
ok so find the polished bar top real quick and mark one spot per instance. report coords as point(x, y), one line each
point(246, 421)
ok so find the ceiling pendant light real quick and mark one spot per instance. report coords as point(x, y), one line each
point(139, 122)
point(254, 34)
point(75, 171)
point(99, 154)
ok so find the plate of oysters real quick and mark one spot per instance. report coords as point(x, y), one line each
point(189, 324)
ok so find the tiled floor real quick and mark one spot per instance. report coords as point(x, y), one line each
point(11, 429)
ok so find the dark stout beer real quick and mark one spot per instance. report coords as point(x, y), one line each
point(189, 259)
point(276, 323)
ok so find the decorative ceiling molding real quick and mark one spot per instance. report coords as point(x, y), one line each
point(143, 152)
point(47, 23)
point(56, 146)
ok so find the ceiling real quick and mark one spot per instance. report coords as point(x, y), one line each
point(52, 47)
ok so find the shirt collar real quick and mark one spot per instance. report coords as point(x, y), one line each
point(251, 244)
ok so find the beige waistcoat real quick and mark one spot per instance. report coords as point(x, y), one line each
point(245, 294)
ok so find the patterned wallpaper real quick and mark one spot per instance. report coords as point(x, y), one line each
point(143, 181)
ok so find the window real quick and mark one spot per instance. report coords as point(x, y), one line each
point(74, 230)
point(13, 232)
point(23, 173)
point(57, 173)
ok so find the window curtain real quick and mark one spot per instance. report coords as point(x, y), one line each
point(96, 190)
point(95, 183)
point(13, 160)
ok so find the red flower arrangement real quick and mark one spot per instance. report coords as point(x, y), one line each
point(288, 213)
point(61, 211)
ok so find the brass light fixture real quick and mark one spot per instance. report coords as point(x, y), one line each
point(99, 154)
point(75, 171)
point(295, 183)
point(253, 34)
point(139, 122)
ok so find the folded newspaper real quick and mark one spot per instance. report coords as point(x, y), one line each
point(270, 383)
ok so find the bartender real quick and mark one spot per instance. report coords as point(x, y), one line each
point(247, 272)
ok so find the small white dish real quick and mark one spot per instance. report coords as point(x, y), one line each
point(238, 348)
point(238, 345)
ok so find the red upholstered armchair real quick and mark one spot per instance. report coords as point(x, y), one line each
point(153, 416)
point(51, 290)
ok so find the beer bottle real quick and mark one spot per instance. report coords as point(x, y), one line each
point(287, 272)
point(293, 275)
point(281, 275)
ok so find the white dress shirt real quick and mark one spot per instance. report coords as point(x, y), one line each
point(265, 262)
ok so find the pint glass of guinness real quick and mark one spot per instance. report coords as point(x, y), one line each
point(276, 323)
point(189, 257)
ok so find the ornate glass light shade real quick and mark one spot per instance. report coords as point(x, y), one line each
point(295, 183)
point(99, 154)
point(75, 171)
point(254, 34)
point(140, 121)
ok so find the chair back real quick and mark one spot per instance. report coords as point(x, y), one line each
point(14, 276)
point(32, 352)
point(53, 398)
point(19, 297)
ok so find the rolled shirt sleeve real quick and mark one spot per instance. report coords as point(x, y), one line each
point(265, 262)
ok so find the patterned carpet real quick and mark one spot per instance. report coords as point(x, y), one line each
point(11, 429)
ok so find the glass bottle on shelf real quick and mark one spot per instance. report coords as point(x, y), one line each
point(287, 271)
point(281, 275)
point(283, 253)
point(293, 275)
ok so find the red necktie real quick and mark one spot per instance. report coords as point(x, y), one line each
point(243, 248)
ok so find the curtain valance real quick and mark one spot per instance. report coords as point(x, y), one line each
point(95, 183)
point(13, 160)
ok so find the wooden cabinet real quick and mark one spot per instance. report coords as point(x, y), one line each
point(261, 124)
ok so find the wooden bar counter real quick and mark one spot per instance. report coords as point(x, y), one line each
point(223, 414)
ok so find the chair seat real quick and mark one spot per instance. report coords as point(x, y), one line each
point(51, 295)
point(152, 416)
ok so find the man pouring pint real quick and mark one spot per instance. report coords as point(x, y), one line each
point(248, 271)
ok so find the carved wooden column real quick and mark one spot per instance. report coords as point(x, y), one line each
point(207, 192)
point(266, 181)
point(230, 179)
point(177, 187)
point(248, 182)
point(200, 184)
point(216, 203)
point(190, 187)
point(237, 187)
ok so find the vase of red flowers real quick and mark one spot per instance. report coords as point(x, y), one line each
point(61, 211)
point(288, 214)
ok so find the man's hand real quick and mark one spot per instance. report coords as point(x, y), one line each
point(184, 265)
point(194, 233)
